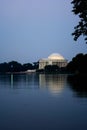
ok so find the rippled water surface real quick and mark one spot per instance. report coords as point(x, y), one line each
point(41, 102)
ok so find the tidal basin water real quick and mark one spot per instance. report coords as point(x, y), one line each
point(41, 102)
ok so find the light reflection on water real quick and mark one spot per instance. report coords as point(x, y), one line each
point(55, 83)
point(40, 102)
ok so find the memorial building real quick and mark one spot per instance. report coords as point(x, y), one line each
point(53, 59)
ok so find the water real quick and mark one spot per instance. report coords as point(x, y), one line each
point(41, 102)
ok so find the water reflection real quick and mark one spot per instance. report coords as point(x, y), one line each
point(19, 81)
point(12, 80)
point(78, 84)
point(54, 82)
point(27, 104)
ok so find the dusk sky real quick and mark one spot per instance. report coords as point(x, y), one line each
point(33, 29)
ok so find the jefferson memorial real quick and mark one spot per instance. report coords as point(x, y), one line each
point(53, 59)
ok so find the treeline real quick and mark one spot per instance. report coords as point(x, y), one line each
point(78, 64)
point(15, 66)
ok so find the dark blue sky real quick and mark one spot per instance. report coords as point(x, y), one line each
point(33, 29)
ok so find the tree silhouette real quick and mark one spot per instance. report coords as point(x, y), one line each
point(80, 9)
point(27, 66)
point(4, 67)
point(78, 64)
point(51, 68)
point(14, 66)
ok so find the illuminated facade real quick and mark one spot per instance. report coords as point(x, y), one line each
point(53, 59)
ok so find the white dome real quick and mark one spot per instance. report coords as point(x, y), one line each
point(55, 56)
